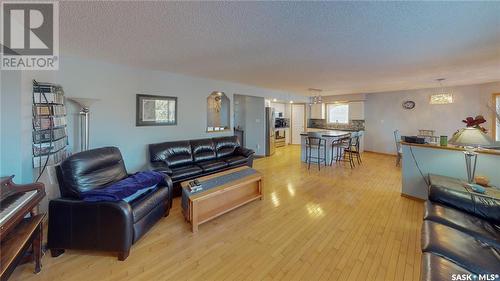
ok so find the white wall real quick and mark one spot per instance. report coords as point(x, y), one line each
point(384, 113)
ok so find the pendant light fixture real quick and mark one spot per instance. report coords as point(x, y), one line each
point(441, 95)
point(316, 95)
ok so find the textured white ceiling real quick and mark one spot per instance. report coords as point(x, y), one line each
point(341, 47)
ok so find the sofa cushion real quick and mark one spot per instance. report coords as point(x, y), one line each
point(87, 170)
point(452, 192)
point(159, 166)
point(477, 227)
point(236, 160)
point(143, 205)
point(225, 146)
point(464, 250)
point(213, 165)
point(203, 150)
point(436, 268)
point(185, 172)
point(174, 154)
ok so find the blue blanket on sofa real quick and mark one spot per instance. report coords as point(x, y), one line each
point(124, 189)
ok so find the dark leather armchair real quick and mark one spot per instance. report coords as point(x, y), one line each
point(189, 159)
point(102, 226)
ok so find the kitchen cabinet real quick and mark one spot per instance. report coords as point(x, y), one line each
point(278, 108)
point(288, 110)
point(318, 111)
point(357, 110)
point(282, 136)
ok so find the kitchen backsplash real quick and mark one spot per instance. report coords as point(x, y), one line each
point(322, 124)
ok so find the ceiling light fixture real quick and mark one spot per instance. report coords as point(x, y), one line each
point(315, 95)
point(441, 95)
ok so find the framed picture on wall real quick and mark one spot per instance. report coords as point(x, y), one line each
point(156, 110)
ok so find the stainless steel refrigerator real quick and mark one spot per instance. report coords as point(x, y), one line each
point(270, 137)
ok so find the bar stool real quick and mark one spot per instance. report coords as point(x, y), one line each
point(399, 150)
point(336, 150)
point(345, 154)
point(314, 141)
point(354, 147)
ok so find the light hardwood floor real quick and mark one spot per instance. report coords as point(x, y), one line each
point(336, 224)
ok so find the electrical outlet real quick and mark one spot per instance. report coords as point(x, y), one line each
point(258, 147)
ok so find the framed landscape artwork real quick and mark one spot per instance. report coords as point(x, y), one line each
point(156, 110)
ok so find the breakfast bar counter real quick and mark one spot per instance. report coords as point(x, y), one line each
point(329, 136)
point(420, 160)
point(329, 133)
point(452, 147)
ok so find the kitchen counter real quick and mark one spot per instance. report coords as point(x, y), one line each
point(452, 147)
point(328, 133)
point(425, 159)
point(329, 136)
point(337, 129)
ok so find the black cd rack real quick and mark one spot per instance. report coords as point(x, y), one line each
point(50, 138)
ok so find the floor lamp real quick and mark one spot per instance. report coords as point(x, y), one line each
point(84, 114)
point(471, 139)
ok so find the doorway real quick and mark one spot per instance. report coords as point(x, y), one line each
point(298, 121)
point(249, 121)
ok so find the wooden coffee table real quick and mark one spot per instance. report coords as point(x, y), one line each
point(220, 199)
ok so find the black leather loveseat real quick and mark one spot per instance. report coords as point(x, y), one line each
point(188, 159)
point(460, 234)
point(103, 226)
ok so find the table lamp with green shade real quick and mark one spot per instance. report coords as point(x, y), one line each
point(471, 138)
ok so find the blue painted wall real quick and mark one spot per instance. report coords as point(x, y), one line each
point(10, 126)
point(113, 116)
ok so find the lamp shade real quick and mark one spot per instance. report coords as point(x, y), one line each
point(471, 137)
point(83, 102)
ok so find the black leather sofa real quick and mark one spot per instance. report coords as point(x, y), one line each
point(188, 159)
point(460, 233)
point(102, 226)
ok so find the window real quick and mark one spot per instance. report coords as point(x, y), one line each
point(496, 107)
point(337, 113)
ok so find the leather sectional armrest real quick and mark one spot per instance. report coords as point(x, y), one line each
point(161, 167)
point(76, 224)
point(245, 151)
point(168, 184)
